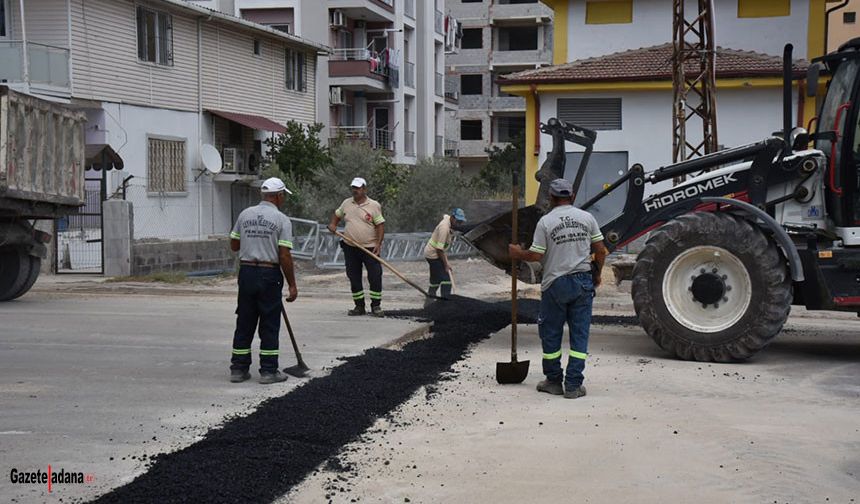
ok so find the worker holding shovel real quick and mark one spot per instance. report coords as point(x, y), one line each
point(263, 238)
point(436, 255)
point(365, 226)
point(564, 240)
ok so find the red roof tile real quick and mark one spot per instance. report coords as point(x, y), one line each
point(651, 63)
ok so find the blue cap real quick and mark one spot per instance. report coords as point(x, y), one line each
point(458, 214)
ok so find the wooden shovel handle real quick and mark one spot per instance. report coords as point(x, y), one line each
point(382, 261)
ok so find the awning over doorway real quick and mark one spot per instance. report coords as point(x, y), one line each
point(251, 121)
point(102, 156)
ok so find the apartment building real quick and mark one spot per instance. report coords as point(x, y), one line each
point(383, 82)
point(499, 37)
point(842, 23)
point(159, 79)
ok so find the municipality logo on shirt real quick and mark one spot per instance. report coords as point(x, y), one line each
point(574, 230)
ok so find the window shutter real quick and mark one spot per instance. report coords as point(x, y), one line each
point(591, 113)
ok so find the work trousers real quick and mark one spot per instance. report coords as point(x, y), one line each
point(260, 291)
point(440, 278)
point(567, 300)
point(355, 258)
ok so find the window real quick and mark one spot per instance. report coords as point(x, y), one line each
point(296, 63)
point(609, 12)
point(282, 27)
point(256, 47)
point(592, 113)
point(166, 166)
point(471, 84)
point(154, 36)
point(3, 20)
point(473, 38)
point(471, 130)
point(518, 38)
point(849, 17)
point(509, 128)
point(471, 1)
point(763, 8)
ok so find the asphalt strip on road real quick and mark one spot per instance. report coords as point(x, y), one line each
point(261, 456)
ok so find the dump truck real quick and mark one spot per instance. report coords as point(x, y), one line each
point(752, 230)
point(42, 153)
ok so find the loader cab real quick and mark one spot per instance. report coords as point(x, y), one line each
point(840, 119)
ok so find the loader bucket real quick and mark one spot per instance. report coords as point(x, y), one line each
point(492, 236)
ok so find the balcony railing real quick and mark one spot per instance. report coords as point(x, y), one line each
point(377, 65)
point(410, 143)
point(377, 138)
point(410, 8)
point(410, 74)
point(440, 84)
point(451, 148)
point(440, 22)
point(47, 65)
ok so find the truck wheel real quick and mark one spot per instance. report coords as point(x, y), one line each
point(711, 287)
point(32, 275)
point(14, 270)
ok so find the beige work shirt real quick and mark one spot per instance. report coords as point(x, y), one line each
point(361, 220)
point(440, 239)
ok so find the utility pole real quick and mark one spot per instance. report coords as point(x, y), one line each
point(693, 81)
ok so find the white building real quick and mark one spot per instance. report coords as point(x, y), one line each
point(612, 72)
point(158, 79)
point(383, 82)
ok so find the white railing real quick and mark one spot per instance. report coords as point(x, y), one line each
point(47, 65)
point(451, 148)
point(360, 54)
point(378, 138)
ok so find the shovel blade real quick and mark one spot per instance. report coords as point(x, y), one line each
point(512, 372)
point(299, 370)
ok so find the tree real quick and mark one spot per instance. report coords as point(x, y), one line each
point(494, 180)
point(299, 153)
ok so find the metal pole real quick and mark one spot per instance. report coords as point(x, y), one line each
point(26, 56)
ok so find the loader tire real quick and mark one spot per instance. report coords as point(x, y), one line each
point(14, 271)
point(711, 287)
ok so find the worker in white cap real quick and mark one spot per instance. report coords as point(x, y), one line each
point(263, 237)
point(365, 226)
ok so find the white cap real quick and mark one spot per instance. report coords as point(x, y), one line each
point(358, 182)
point(274, 185)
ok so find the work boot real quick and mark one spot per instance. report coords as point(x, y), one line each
point(238, 376)
point(275, 377)
point(574, 393)
point(376, 311)
point(550, 387)
point(358, 310)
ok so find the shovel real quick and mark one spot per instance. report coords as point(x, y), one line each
point(300, 370)
point(514, 371)
point(384, 263)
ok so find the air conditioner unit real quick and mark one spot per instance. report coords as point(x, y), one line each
point(234, 160)
point(336, 95)
point(337, 19)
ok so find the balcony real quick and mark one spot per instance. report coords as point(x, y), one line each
point(409, 74)
point(376, 137)
point(47, 66)
point(358, 69)
point(367, 10)
point(440, 84)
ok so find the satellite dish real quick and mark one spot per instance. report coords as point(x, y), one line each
point(211, 159)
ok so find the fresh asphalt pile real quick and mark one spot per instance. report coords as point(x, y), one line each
point(259, 457)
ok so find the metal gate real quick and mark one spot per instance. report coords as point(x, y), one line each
point(78, 244)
